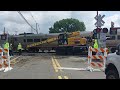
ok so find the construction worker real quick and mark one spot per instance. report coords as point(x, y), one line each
point(6, 45)
point(96, 44)
point(10, 50)
point(19, 48)
point(65, 38)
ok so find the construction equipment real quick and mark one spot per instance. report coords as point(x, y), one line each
point(71, 43)
point(42, 42)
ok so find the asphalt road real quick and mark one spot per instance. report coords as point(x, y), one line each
point(48, 66)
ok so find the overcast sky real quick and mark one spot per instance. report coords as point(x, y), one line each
point(12, 21)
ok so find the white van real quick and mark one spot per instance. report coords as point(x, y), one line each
point(112, 70)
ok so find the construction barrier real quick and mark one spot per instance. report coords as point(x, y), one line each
point(5, 60)
point(94, 61)
point(97, 60)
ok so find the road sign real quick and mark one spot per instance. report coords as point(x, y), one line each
point(99, 22)
point(112, 24)
point(102, 41)
point(102, 36)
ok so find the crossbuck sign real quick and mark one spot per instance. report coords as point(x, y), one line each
point(99, 22)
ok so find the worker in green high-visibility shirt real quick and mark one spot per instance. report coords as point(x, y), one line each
point(96, 44)
point(6, 45)
point(19, 48)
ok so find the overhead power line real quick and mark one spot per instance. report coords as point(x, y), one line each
point(39, 26)
point(26, 20)
point(35, 20)
point(33, 17)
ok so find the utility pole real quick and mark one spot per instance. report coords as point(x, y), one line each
point(98, 34)
point(4, 31)
point(16, 32)
point(31, 30)
point(36, 28)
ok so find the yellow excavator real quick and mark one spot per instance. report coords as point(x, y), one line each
point(71, 43)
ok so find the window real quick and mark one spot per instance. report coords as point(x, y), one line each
point(44, 39)
point(110, 37)
point(24, 40)
point(3, 37)
point(29, 40)
point(36, 40)
point(118, 37)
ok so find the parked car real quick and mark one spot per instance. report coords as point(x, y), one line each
point(112, 70)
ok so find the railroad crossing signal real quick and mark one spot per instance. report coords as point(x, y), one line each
point(113, 31)
point(99, 22)
point(105, 30)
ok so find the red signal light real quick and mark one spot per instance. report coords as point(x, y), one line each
point(98, 30)
point(105, 30)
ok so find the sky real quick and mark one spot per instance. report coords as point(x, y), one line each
point(14, 23)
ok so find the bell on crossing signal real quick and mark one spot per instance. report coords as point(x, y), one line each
point(98, 30)
point(104, 30)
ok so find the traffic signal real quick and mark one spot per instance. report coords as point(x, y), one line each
point(104, 30)
point(97, 30)
point(113, 31)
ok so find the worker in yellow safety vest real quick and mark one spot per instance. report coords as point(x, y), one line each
point(96, 44)
point(6, 46)
point(19, 48)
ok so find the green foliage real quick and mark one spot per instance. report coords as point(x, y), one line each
point(67, 25)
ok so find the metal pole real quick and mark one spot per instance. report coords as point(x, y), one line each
point(31, 30)
point(97, 19)
point(98, 35)
point(36, 28)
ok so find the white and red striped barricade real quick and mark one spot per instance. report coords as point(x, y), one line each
point(1, 60)
point(92, 59)
point(5, 60)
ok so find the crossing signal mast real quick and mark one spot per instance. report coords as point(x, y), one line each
point(100, 33)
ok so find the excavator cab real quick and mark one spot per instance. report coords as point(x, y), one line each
point(62, 39)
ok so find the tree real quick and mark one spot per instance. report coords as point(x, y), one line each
point(67, 25)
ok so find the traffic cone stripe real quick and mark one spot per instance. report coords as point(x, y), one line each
point(93, 64)
point(1, 50)
point(6, 50)
point(99, 50)
point(4, 57)
point(96, 64)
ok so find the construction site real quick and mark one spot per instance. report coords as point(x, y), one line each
point(64, 55)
